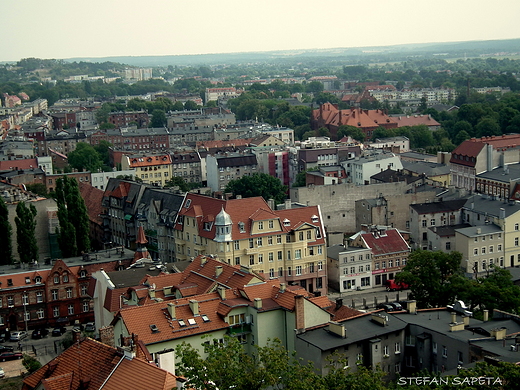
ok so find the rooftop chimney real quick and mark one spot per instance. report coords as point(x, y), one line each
point(258, 303)
point(412, 307)
point(222, 292)
point(171, 310)
point(486, 315)
point(218, 270)
point(453, 317)
point(499, 333)
point(194, 306)
point(282, 287)
point(337, 328)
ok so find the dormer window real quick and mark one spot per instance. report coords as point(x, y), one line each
point(154, 328)
point(27, 280)
point(188, 203)
point(82, 273)
point(286, 222)
point(314, 218)
point(207, 226)
point(38, 279)
point(241, 227)
point(9, 282)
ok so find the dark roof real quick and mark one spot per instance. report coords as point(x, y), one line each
point(236, 161)
point(438, 207)
point(391, 176)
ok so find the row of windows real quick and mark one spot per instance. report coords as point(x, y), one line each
point(490, 249)
point(40, 313)
point(259, 258)
point(398, 263)
point(39, 296)
point(353, 258)
point(152, 175)
point(353, 269)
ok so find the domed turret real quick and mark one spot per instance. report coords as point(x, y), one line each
point(223, 225)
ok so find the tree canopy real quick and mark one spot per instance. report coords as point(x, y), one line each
point(85, 158)
point(26, 232)
point(6, 230)
point(258, 184)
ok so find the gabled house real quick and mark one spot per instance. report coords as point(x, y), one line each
point(89, 364)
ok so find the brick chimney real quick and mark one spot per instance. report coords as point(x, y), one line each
point(299, 313)
point(218, 270)
point(106, 335)
point(258, 303)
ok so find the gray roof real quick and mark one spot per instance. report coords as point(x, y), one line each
point(504, 174)
point(131, 277)
point(416, 155)
point(449, 230)
point(428, 168)
point(334, 251)
point(487, 205)
point(357, 329)
point(474, 231)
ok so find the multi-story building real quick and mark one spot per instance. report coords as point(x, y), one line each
point(126, 118)
point(389, 251)
point(475, 156)
point(188, 166)
point(349, 268)
point(216, 93)
point(62, 142)
point(151, 169)
point(221, 170)
point(359, 170)
point(286, 244)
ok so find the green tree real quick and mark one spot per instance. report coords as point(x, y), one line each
point(190, 105)
point(6, 230)
point(351, 131)
point(158, 118)
point(37, 188)
point(30, 363)
point(432, 277)
point(73, 217)
point(103, 150)
point(178, 181)
point(26, 232)
point(227, 366)
point(85, 158)
point(258, 184)
point(487, 127)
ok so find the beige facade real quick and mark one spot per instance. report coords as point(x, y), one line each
point(151, 169)
point(285, 244)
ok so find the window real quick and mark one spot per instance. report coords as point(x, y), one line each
point(448, 246)
point(432, 222)
point(85, 306)
point(54, 294)
point(280, 256)
point(434, 347)
point(251, 243)
point(297, 254)
point(390, 263)
point(56, 311)
point(367, 268)
point(270, 256)
point(311, 267)
point(278, 239)
point(70, 309)
point(10, 301)
point(483, 250)
point(516, 241)
point(475, 252)
point(289, 271)
point(397, 348)
point(271, 272)
point(236, 319)
point(288, 255)
point(460, 357)
point(39, 297)
point(280, 272)
point(237, 260)
point(270, 240)
point(260, 258)
point(56, 279)
point(360, 268)
point(38, 279)
point(516, 226)
point(309, 234)
point(300, 236)
point(25, 299)
point(69, 292)
point(298, 270)
point(40, 314)
point(499, 248)
point(65, 278)
point(319, 282)
point(385, 350)
point(236, 245)
point(424, 223)
point(259, 241)
point(410, 341)
point(377, 265)
point(251, 259)
point(397, 367)
point(260, 225)
point(444, 351)
point(320, 265)
point(383, 264)
point(27, 316)
point(271, 224)
point(491, 249)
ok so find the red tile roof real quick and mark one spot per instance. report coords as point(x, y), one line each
point(392, 242)
point(93, 201)
point(93, 363)
point(18, 164)
point(151, 160)
point(472, 147)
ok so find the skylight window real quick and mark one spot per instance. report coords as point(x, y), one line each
point(205, 318)
point(154, 328)
point(182, 323)
point(192, 321)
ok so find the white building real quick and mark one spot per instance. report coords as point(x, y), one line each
point(359, 170)
point(349, 268)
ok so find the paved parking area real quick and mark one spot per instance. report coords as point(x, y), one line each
point(13, 368)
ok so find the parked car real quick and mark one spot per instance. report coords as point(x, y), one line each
point(18, 335)
point(10, 356)
point(396, 305)
point(78, 327)
point(392, 285)
point(5, 348)
point(90, 327)
point(58, 331)
point(39, 333)
point(385, 307)
point(2, 373)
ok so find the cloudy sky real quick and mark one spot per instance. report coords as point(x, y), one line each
point(101, 28)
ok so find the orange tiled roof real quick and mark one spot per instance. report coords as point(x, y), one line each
point(146, 161)
point(139, 318)
point(93, 201)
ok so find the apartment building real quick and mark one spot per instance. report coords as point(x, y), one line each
point(286, 244)
point(151, 169)
point(221, 169)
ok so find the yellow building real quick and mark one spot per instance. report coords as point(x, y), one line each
point(151, 169)
point(285, 244)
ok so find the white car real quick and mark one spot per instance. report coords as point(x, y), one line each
point(18, 335)
point(2, 373)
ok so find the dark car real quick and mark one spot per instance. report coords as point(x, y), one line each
point(5, 348)
point(39, 333)
point(385, 307)
point(58, 331)
point(90, 327)
point(396, 305)
point(10, 356)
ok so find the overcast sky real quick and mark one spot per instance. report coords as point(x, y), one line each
point(101, 28)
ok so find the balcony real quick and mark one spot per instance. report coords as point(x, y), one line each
point(239, 329)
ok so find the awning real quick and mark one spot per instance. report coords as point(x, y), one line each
point(128, 217)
